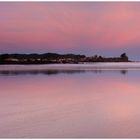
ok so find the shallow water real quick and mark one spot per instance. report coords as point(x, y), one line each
point(70, 101)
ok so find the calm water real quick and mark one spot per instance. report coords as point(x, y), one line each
point(70, 101)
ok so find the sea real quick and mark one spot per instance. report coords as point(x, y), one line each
point(91, 100)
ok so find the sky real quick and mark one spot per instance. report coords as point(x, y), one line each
point(103, 28)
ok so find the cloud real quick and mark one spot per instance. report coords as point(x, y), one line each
point(70, 25)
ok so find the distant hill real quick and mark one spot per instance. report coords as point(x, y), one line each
point(51, 58)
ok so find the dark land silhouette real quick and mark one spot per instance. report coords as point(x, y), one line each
point(54, 58)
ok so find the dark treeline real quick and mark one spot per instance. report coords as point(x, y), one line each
point(50, 58)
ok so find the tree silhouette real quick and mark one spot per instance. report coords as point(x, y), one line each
point(124, 56)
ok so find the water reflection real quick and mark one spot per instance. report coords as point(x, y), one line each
point(55, 72)
point(70, 104)
point(124, 72)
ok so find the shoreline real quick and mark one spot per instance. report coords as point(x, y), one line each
point(52, 69)
point(97, 65)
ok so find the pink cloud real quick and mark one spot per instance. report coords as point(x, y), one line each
point(65, 25)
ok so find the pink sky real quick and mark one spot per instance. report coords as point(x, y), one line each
point(106, 28)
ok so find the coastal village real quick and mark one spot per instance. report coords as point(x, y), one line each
point(52, 58)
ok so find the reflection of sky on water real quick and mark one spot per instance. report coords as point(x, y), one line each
point(93, 104)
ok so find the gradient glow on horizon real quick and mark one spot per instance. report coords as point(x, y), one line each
point(103, 28)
